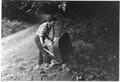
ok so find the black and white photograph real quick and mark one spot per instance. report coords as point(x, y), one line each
point(59, 40)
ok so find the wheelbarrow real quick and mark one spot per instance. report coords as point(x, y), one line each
point(62, 47)
point(63, 50)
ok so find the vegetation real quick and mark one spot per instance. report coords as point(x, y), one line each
point(93, 28)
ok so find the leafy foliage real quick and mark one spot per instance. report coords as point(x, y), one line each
point(33, 8)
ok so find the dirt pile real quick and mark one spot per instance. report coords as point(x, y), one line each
point(73, 73)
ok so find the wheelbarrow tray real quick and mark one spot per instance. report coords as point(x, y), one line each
point(62, 49)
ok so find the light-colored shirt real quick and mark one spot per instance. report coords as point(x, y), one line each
point(43, 30)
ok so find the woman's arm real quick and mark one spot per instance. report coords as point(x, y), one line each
point(52, 38)
point(53, 34)
point(41, 40)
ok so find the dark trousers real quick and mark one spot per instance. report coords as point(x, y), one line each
point(43, 55)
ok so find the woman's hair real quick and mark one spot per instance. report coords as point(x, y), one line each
point(51, 18)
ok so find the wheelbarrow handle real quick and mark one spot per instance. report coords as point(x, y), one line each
point(49, 52)
point(61, 28)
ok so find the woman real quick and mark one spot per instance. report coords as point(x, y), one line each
point(41, 34)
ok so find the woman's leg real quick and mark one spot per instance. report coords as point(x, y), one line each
point(38, 44)
point(46, 57)
point(40, 59)
point(43, 55)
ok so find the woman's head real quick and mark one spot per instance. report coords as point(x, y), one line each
point(51, 20)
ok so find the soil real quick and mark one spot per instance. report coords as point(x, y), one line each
point(95, 49)
point(20, 55)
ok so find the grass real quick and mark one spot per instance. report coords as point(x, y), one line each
point(12, 26)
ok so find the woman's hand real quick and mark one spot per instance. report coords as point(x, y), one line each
point(44, 44)
point(52, 40)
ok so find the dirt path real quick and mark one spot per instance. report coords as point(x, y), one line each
point(18, 53)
